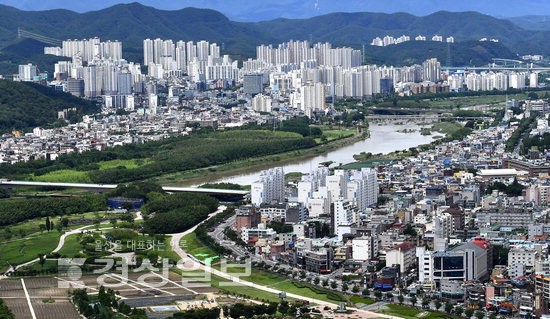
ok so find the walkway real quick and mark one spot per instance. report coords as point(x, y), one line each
point(175, 243)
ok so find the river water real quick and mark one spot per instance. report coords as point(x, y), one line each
point(383, 139)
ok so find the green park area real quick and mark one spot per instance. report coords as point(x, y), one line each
point(194, 247)
point(21, 250)
point(168, 161)
point(412, 313)
point(24, 241)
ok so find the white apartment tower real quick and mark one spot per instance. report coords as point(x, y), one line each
point(431, 70)
point(313, 98)
point(269, 187)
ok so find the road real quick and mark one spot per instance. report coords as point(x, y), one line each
point(176, 238)
point(175, 243)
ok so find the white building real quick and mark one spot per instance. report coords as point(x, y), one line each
point(261, 103)
point(363, 188)
point(261, 232)
point(269, 187)
point(403, 255)
point(344, 216)
point(313, 98)
point(365, 248)
point(27, 72)
point(523, 255)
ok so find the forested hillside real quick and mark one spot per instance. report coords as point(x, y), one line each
point(25, 105)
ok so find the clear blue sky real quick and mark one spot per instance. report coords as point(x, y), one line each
point(256, 10)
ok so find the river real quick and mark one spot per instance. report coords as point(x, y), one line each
point(383, 139)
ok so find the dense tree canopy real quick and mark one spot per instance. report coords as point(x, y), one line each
point(177, 212)
point(20, 209)
point(168, 156)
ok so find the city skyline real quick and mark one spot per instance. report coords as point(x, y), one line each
point(242, 10)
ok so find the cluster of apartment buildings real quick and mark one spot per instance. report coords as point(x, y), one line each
point(389, 40)
point(442, 228)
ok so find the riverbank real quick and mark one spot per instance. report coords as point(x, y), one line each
point(215, 173)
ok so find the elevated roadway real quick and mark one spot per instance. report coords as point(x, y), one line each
point(107, 187)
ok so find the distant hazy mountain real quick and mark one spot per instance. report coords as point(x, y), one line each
point(133, 22)
point(532, 22)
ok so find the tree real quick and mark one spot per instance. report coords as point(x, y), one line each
point(355, 289)
point(366, 292)
point(333, 285)
point(325, 282)
point(413, 300)
point(479, 314)
point(389, 295)
point(345, 287)
point(48, 225)
point(469, 312)
point(42, 227)
point(64, 222)
point(41, 260)
point(459, 310)
point(425, 302)
point(316, 280)
point(448, 307)
point(378, 294)
point(400, 298)
point(409, 231)
point(437, 304)
point(284, 307)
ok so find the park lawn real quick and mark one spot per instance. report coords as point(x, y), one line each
point(448, 128)
point(363, 300)
point(465, 101)
point(63, 176)
point(71, 247)
point(194, 247)
point(412, 313)
point(31, 227)
point(20, 251)
point(129, 163)
point(191, 245)
point(337, 134)
point(218, 283)
point(289, 287)
point(167, 252)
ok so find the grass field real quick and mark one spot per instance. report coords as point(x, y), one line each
point(218, 282)
point(412, 313)
point(71, 247)
point(466, 101)
point(196, 248)
point(362, 300)
point(167, 252)
point(27, 241)
point(337, 134)
point(446, 128)
point(63, 176)
point(190, 244)
point(131, 163)
point(19, 251)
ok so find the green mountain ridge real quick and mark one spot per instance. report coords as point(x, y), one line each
point(532, 22)
point(131, 23)
point(25, 105)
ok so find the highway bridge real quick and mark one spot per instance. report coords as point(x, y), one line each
point(426, 117)
point(107, 187)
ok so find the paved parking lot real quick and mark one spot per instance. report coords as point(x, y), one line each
point(46, 300)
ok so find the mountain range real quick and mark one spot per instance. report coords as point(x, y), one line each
point(532, 22)
point(131, 23)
